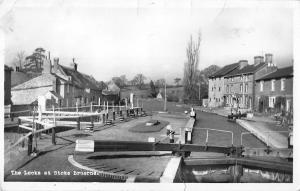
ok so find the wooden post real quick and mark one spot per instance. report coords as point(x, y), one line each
point(34, 130)
point(53, 129)
point(78, 123)
point(114, 115)
point(29, 149)
point(103, 118)
point(92, 123)
point(126, 103)
point(53, 136)
point(107, 107)
point(91, 106)
point(99, 102)
point(19, 123)
point(236, 171)
point(76, 106)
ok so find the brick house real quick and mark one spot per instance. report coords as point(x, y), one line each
point(216, 85)
point(239, 84)
point(274, 92)
point(57, 85)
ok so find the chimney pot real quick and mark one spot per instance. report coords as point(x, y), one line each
point(243, 63)
point(258, 60)
point(269, 58)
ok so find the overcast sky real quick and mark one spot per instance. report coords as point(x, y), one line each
point(111, 38)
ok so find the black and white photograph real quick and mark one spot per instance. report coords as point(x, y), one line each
point(119, 93)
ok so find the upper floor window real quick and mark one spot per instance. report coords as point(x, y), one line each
point(282, 84)
point(261, 86)
point(272, 85)
point(219, 89)
point(241, 87)
point(246, 88)
point(227, 88)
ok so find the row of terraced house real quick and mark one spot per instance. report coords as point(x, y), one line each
point(260, 87)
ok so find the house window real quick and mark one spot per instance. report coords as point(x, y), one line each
point(271, 102)
point(246, 88)
point(219, 89)
point(212, 89)
point(282, 84)
point(227, 88)
point(261, 86)
point(231, 88)
point(241, 87)
point(272, 85)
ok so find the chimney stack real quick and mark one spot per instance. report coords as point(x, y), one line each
point(269, 59)
point(243, 63)
point(74, 65)
point(258, 60)
point(46, 66)
point(55, 65)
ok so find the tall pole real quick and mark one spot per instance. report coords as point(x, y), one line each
point(165, 105)
point(199, 91)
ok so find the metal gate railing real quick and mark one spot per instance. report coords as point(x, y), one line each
point(209, 129)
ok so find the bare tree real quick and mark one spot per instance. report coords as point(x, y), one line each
point(190, 68)
point(139, 80)
point(20, 59)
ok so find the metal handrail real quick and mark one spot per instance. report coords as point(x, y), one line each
point(207, 129)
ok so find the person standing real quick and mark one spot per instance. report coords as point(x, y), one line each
point(193, 113)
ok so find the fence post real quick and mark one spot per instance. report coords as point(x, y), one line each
point(206, 141)
point(92, 123)
point(114, 115)
point(29, 149)
point(103, 118)
point(91, 106)
point(19, 123)
point(78, 123)
point(53, 128)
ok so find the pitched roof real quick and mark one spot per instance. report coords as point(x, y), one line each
point(245, 70)
point(44, 80)
point(79, 79)
point(279, 73)
point(225, 70)
point(20, 77)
